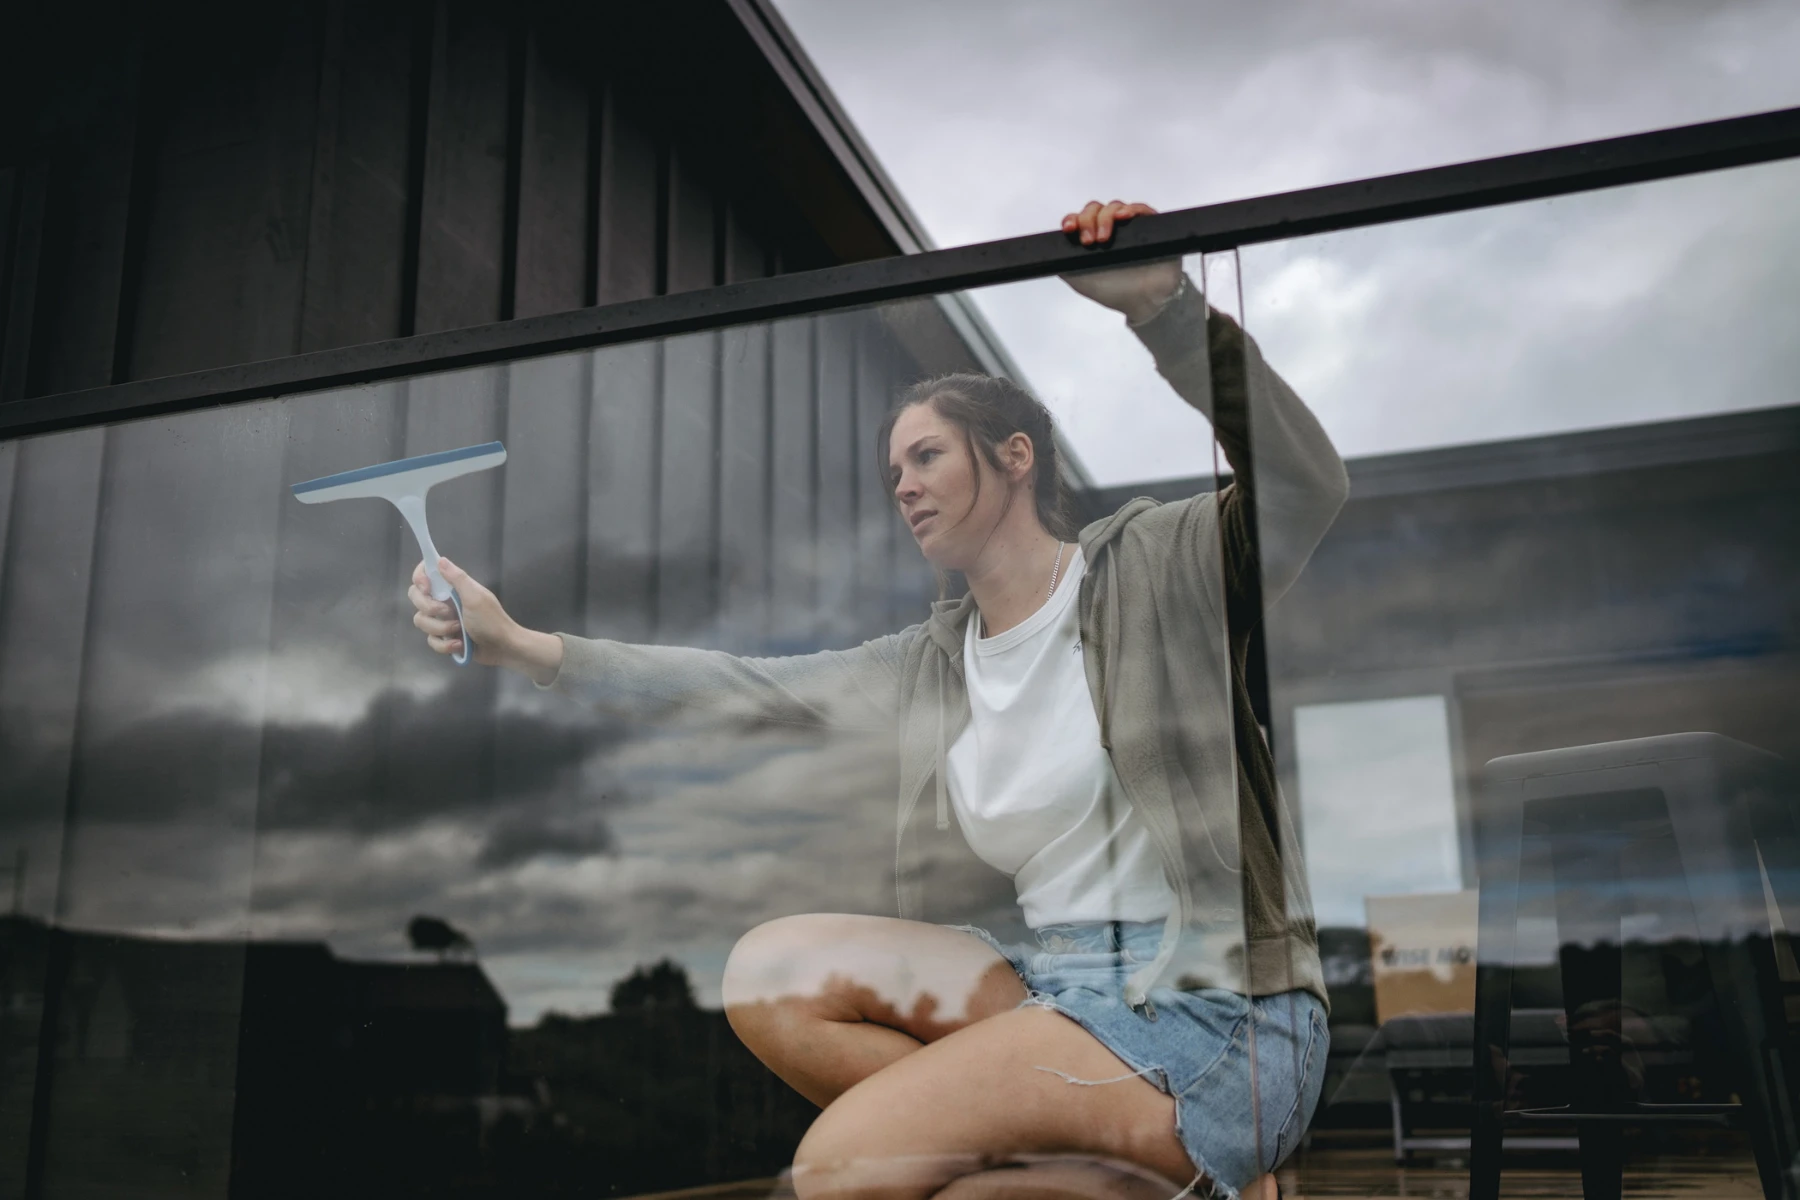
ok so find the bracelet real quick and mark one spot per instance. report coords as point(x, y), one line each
point(1181, 288)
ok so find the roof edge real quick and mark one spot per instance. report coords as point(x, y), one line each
point(776, 40)
point(1708, 437)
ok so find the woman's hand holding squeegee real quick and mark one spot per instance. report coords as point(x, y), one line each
point(500, 641)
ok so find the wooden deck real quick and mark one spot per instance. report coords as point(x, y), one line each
point(1718, 1172)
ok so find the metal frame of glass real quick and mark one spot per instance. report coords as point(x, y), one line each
point(1537, 174)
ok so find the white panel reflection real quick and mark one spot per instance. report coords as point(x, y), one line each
point(1377, 802)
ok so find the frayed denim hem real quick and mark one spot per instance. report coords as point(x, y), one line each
point(1206, 1184)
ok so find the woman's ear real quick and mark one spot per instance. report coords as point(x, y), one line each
point(1018, 455)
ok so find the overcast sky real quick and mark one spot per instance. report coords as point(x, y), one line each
point(995, 117)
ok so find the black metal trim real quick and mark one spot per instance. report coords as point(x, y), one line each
point(1637, 158)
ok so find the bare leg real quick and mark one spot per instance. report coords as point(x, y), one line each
point(827, 1000)
point(983, 1097)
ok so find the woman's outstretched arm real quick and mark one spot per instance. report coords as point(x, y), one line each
point(845, 689)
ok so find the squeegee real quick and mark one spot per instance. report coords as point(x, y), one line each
point(404, 483)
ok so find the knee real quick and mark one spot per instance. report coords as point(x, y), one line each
point(776, 961)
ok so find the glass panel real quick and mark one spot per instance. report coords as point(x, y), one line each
point(1536, 684)
point(1587, 312)
point(301, 906)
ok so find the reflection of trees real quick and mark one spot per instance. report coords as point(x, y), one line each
point(434, 935)
point(663, 986)
point(656, 1095)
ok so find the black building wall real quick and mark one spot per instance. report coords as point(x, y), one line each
point(192, 185)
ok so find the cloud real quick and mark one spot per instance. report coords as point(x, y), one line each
point(993, 119)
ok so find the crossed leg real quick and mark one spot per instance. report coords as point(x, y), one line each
point(911, 1039)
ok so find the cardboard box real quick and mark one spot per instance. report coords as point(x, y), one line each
point(1422, 950)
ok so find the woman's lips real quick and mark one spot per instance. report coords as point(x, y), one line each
point(919, 519)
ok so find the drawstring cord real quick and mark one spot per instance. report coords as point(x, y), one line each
point(943, 792)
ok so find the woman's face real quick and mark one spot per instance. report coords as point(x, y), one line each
point(934, 480)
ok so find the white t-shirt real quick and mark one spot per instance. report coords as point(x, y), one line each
point(1035, 793)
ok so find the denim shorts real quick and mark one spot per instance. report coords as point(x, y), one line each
point(1198, 1046)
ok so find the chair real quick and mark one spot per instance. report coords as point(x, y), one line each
point(1442, 1045)
point(1719, 814)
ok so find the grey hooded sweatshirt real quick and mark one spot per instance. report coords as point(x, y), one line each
point(1170, 595)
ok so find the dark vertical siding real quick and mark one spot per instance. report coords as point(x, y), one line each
point(743, 485)
point(355, 281)
point(693, 225)
point(22, 214)
point(542, 576)
point(225, 226)
point(77, 310)
point(745, 466)
point(791, 458)
point(462, 231)
point(623, 486)
point(44, 575)
point(545, 483)
point(687, 505)
point(555, 178)
point(834, 562)
point(876, 521)
point(629, 193)
point(223, 186)
point(44, 589)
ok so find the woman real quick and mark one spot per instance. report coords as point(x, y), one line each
point(1083, 711)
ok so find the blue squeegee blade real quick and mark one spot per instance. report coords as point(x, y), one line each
point(397, 466)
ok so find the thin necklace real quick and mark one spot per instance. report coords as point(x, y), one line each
point(1055, 570)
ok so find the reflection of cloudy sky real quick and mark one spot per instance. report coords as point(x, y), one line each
point(251, 738)
point(263, 743)
point(993, 118)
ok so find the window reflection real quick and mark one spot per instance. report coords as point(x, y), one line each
point(1377, 801)
point(1567, 557)
point(298, 905)
point(323, 911)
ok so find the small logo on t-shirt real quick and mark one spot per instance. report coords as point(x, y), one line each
point(1077, 646)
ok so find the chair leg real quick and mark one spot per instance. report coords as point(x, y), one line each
point(1718, 844)
point(1399, 1121)
point(1499, 839)
point(1761, 1086)
point(1493, 1037)
point(1588, 937)
point(1602, 1159)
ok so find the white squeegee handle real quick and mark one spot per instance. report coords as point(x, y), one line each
point(412, 507)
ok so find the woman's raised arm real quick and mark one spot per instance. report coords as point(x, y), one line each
point(1288, 481)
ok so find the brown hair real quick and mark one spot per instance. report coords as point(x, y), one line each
point(989, 409)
